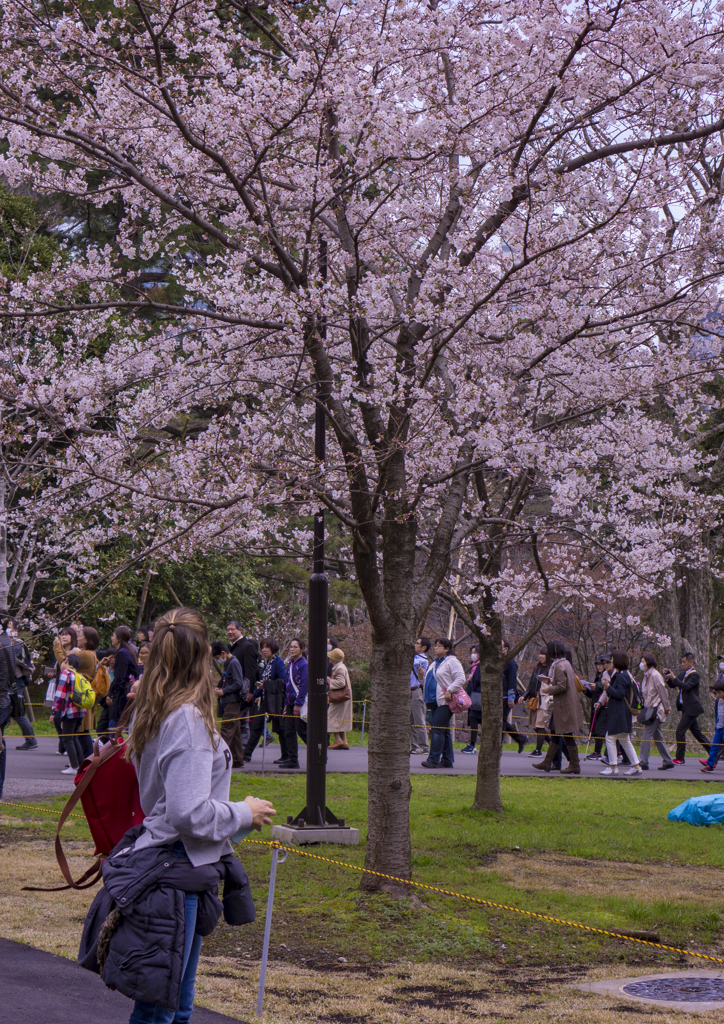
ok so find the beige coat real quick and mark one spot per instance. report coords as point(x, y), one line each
point(654, 693)
point(566, 707)
point(339, 716)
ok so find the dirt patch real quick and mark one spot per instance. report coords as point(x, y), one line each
point(590, 878)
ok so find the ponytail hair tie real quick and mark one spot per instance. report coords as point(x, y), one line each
point(172, 626)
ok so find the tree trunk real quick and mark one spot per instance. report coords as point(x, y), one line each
point(666, 620)
point(388, 782)
point(487, 790)
point(695, 597)
point(3, 549)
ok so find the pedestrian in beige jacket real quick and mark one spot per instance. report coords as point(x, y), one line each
point(339, 713)
point(655, 696)
point(567, 718)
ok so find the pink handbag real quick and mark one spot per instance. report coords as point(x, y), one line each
point(460, 702)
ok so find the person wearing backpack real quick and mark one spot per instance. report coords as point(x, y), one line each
point(623, 698)
point(68, 716)
point(184, 774)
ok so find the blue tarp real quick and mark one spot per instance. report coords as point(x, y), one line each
point(700, 810)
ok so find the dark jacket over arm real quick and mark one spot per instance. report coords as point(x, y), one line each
point(232, 682)
point(125, 671)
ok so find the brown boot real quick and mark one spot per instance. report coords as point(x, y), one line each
point(545, 764)
point(574, 767)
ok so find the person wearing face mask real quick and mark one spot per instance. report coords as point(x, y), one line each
point(472, 688)
point(231, 692)
point(655, 696)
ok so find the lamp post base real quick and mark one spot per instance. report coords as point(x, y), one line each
point(302, 835)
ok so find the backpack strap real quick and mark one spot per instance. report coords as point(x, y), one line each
point(85, 881)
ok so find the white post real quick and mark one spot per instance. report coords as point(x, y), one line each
point(267, 924)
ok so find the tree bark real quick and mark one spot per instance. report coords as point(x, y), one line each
point(3, 549)
point(487, 789)
point(695, 597)
point(388, 835)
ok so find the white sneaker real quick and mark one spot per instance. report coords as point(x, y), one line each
point(609, 771)
point(69, 771)
point(635, 770)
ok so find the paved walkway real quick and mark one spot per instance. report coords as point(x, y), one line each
point(37, 773)
point(40, 988)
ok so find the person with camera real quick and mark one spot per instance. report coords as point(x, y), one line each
point(688, 703)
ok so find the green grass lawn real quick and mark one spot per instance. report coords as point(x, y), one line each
point(559, 847)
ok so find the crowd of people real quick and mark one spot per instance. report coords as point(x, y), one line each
point(554, 699)
point(91, 691)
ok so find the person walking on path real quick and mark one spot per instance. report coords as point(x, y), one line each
point(296, 694)
point(339, 713)
point(231, 693)
point(510, 697)
point(653, 690)
point(621, 693)
point(7, 687)
point(560, 684)
point(184, 774)
point(599, 707)
point(270, 692)
point(22, 676)
point(538, 718)
point(449, 678)
point(66, 715)
point(687, 701)
point(418, 718)
point(472, 688)
point(717, 744)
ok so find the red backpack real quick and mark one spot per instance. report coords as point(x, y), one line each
point(107, 788)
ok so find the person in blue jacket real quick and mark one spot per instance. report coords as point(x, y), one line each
point(296, 693)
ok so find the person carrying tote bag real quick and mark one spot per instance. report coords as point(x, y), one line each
point(656, 707)
point(339, 713)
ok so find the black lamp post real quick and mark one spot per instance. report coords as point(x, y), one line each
point(316, 814)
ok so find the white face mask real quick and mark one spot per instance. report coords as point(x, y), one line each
point(721, 666)
point(474, 656)
point(642, 665)
point(329, 648)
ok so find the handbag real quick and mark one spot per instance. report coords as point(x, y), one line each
point(646, 715)
point(475, 702)
point(50, 694)
point(460, 701)
point(338, 696)
point(533, 704)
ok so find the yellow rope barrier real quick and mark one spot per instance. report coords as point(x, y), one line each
point(443, 892)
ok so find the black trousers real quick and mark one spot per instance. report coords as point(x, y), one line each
point(102, 727)
point(688, 723)
point(517, 737)
point(276, 724)
point(256, 729)
point(69, 728)
point(294, 728)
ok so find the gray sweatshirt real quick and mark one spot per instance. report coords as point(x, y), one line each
point(184, 785)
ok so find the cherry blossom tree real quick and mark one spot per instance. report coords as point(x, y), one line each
point(480, 235)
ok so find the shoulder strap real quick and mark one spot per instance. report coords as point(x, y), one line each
point(85, 881)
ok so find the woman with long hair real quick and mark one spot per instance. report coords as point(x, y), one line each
point(619, 690)
point(184, 773)
point(125, 672)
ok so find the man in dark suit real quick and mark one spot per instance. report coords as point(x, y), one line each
point(687, 701)
point(246, 652)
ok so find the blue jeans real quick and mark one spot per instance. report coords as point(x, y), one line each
point(440, 735)
point(152, 1013)
point(716, 745)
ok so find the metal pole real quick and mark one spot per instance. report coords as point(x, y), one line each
point(364, 709)
point(263, 745)
point(267, 924)
point(316, 812)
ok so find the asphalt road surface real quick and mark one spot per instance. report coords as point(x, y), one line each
point(40, 988)
point(37, 773)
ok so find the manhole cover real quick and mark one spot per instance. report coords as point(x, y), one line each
point(681, 990)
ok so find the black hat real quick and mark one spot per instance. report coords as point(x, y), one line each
point(604, 658)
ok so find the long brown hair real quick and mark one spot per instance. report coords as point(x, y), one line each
point(177, 672)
